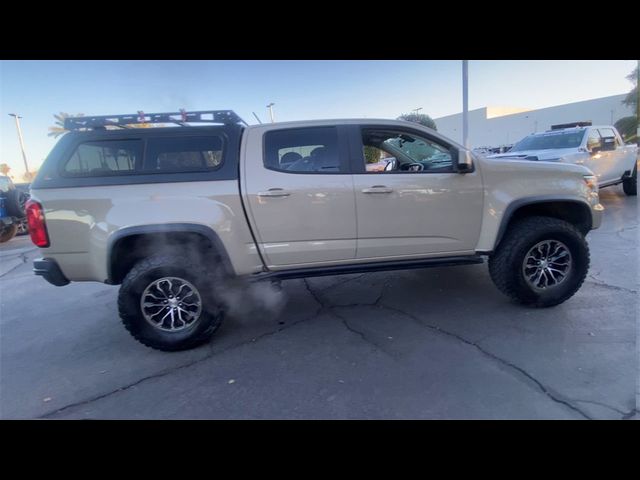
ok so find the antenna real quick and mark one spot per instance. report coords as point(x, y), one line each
point(259, 121)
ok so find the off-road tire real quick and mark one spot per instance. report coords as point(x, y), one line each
point(505, 265)
point(155, 267)
point(8, 233)
point(15, 201)
point(630, 185)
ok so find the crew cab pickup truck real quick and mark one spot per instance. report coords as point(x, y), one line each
point(171, 213)
point(599, 148)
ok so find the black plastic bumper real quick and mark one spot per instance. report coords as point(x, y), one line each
point(49, 269)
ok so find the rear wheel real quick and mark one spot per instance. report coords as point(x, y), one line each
point(630, 185)
point(8, 233)
point(541, 262)
point(166, 302)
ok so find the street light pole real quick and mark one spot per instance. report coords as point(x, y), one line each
point(24, 155)
point(465, 103)
point(270, 107)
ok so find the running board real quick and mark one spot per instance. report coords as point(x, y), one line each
point(366, 267)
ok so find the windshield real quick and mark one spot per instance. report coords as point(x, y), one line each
point(549, 141)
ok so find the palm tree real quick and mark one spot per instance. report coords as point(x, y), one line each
point(58, 128)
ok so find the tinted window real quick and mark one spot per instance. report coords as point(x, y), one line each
point(547, 141)
point(184, 154)
point(392, 151)
point(111, 157)
point(312, 150)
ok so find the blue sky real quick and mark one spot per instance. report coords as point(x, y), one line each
point(300, 90)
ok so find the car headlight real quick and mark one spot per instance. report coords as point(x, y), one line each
point(592, 184)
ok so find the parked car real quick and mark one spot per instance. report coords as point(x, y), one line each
point(170, 214)
point(599, 148)
point(12, 209)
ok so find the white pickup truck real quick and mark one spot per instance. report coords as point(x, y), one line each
point(599, 148)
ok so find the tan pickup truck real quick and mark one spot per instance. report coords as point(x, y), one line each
point(167, 212)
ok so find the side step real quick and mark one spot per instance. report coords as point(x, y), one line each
point(366, 267)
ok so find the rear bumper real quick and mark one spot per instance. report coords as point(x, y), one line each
point(50, 271)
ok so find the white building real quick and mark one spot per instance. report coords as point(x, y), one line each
point(497, 126)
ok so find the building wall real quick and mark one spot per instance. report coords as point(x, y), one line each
point(488, 130)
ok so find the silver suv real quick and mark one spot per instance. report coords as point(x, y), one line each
point(170, 212)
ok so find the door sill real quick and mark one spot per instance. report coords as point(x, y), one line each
point(366, 267)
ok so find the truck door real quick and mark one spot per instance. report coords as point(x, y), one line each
point(615, 156)
point(299, 194)
point(597, 161)
point(409, 200)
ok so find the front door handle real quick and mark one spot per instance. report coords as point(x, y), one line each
point(377, 189)
point(274, 192)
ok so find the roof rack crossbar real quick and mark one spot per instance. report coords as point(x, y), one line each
point(226, 117)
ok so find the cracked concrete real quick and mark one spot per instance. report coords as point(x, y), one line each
point(436, 343)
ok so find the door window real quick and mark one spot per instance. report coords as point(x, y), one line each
point(594, 140)
point(303, 150)
point(403, 152)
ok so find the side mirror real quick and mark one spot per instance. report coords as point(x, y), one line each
point(464, 162)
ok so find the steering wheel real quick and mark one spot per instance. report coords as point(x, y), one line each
point(413, 167)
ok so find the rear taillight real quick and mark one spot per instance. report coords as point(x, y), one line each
point(37, 225)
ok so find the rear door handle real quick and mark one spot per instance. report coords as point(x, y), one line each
point(377, 189)
point(274, 192)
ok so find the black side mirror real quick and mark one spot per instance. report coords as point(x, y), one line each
point(463, 161)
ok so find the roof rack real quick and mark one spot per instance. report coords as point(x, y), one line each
point(226, 117)
point(570, 125)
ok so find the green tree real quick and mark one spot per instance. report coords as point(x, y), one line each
point(628, 126)
point(58, 128)
point(420, 118)
point(631, 100)
point(371, 154)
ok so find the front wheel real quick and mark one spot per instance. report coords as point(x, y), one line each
point(166, 302)
point(541, 262)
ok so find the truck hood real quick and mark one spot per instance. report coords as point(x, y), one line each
point(541, 155)
point(515, 164)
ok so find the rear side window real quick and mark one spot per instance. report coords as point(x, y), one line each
point(303, 150)
point(184, 154)
point(104, 158)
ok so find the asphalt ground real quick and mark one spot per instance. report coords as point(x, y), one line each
point(438, 343)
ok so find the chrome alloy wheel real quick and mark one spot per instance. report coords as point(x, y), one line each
point(171, 304)
point(547, 264)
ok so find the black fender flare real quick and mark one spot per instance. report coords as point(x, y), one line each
point(533, 200)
